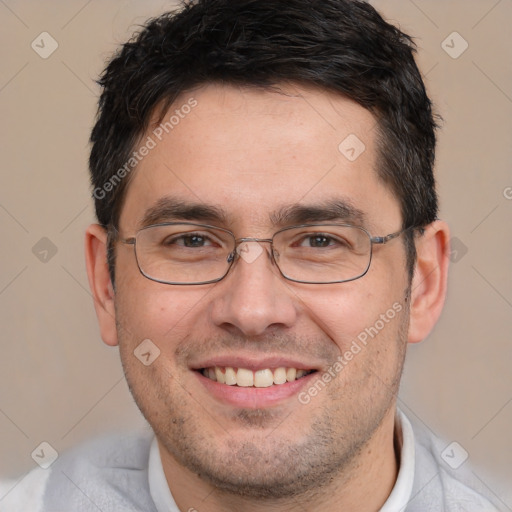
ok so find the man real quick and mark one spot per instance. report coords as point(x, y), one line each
point(267, 245)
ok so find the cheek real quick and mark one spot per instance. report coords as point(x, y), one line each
point(164, 314)
point(344, 311)
point(363, 319)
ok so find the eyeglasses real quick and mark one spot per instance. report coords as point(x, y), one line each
point(192, 254)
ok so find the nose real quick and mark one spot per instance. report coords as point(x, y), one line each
point(253, 297)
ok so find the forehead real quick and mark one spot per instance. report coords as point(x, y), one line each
point(253, 153)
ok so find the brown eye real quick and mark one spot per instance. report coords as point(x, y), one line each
point(190, 240)
point(319, 241)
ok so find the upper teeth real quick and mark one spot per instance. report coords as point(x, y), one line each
point(259, 378)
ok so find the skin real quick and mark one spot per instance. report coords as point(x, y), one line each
point(250, 152)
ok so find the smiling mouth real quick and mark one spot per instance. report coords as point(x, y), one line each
point(244, 377)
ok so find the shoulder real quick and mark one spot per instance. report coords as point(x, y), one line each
point(127, 450)
point(25, 493)
point(109, 473)
point(443, 477)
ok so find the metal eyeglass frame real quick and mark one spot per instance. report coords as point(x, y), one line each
point(233, 256)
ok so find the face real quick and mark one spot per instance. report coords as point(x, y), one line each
point(253, 157)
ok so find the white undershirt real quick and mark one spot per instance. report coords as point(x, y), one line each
point(396, 502)
point(401, 493)
point(157, 483)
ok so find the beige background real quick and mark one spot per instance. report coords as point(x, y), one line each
point(60, 384)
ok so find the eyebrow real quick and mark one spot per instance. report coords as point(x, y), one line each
point(329, 210)
point(169, 209)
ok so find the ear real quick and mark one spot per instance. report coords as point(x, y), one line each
point(428, 289)
point(100, 283)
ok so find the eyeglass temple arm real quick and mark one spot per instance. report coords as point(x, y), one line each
point(387, 238)
point(114, 233)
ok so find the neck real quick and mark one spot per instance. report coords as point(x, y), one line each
point(364, 486)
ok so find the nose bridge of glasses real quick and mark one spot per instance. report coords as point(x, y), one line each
point(250, 239)
point(248, 252)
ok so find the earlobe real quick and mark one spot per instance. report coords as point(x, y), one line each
point(100, 282)
point(428, 289)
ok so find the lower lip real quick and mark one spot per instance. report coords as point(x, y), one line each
point(251, 397)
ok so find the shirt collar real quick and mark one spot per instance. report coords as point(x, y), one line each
point(404, 443)
point(160, 492)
